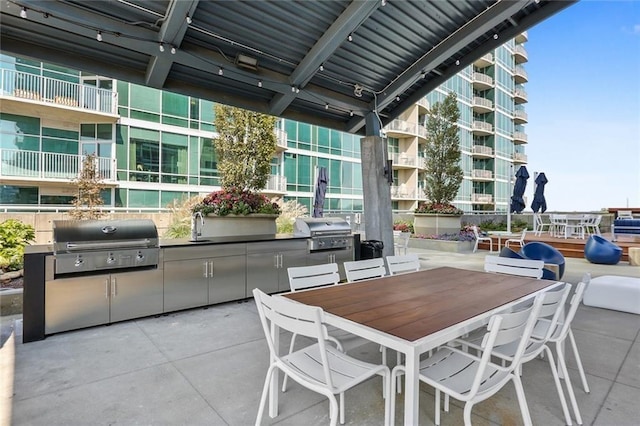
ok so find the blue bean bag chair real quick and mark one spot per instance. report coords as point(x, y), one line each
point(547, 274)
point(542, 251)
point(599, 250)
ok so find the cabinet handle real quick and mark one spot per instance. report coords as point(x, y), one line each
point(281, 260)
point(211, 269)
point(276, 261)
point(206, 269)
point(106, 288)
point(114, 287)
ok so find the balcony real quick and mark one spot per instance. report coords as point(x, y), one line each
point(481, 81)
point(481, 128)
point(519, 138)
point(281, 140)
point(481, 105)
point(422, 163)
point(401, 128)
point(484, 61)
point(482, 151)
point(523, 37)
point(402, 192)
point(520, 75)
point(520, 117)
point(277, 184)
point(423, 104)
point(403, 160)
point(519, 158)
point(520, 96)
point(37, 166)
point(479, 174)
point(422, 131)
point(520, 54)
point(482, 198)
point(25, 94)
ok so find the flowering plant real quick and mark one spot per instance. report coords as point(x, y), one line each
point(403, 226)
point(465, 234)
point(438, 208)
point(235, 201)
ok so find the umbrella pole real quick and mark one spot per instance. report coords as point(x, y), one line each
point(535, 213)
point(509, 203)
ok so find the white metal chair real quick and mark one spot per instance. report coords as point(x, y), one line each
point(401, 242)
point(559, 224)
point(507, 265)
point(364, 269)
point(592, 224)
point(472, 379)
point(318, 367)
point(540, 224)
point(476, 234)
point(558, 337)
point(519, 241)
point(625, 214)
point(403, 264)
point(550, 312)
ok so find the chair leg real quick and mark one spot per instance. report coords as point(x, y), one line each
point(399, 362)
point(342, 408)
point(397, 370)
point(467, 413)
point(567, 380)
point(284, 380)
point(265, 392)
point(522, 400)
point(437, 408)
point(583, 377)
point(556, 379)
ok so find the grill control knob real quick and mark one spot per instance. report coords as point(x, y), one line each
point(320, 243)
point(79, 262)
point(110, 259)
point(139, 257)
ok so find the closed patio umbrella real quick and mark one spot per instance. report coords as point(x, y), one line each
point(539, 203)
point(321, 190)
point(517, 202)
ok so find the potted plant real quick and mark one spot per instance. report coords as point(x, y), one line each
point(443, 171)
point(245, 143)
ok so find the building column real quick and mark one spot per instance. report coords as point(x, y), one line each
point(378, 218)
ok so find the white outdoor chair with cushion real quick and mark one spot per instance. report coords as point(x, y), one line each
point(318, 367)
point(476, 234)
point(401, 242)
point(507, 265)
point(550, 312)
point(472, 379)
point(403, 264)
point(364, 269)
point(519, 241)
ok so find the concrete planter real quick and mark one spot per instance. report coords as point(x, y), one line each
point(10, 301)
point(235, 225)
point(442, 245)
point(434, 224)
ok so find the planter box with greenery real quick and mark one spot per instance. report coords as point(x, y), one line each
point(441, 245)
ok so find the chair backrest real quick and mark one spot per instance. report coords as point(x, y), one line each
point(301, 277)
point(507, 265)
point(364, 269)
point(553, 306)
point(573, 307)
point(403, 264)
point(524, 234)
point(402, 238)
point(476, 233)
point(296, 318)
point(625, 214)
point(503, 329)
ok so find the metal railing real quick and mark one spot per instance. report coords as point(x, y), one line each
point(482, 102)
point(520, 115)
point(481, 198)
point(276, 183)
point(482, 149)
point(481, 125)
point(521, 136)
point(482, 174)
point(403, 159)
point(401, 126)
point(401, 192)
point(520, 50)
point(281, 138)
point(482, 78)
point(520, 72)
point(50, 165)
point(520, 93)
point(18, 84)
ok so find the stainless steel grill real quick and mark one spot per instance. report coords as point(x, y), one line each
point(94, 245)
point(328, 233)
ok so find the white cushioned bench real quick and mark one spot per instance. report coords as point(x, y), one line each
point(614, 292)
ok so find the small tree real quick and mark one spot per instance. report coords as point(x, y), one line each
point(245, 144)
point(443, 171)
point(87, 203)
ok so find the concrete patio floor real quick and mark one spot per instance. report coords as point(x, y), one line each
point(207, 366)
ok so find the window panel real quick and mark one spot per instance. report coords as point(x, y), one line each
point(175, 104)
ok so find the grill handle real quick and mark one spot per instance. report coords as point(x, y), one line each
point(107, 244)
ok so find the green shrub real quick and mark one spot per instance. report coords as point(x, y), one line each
point(403, 226)
point(14, 235)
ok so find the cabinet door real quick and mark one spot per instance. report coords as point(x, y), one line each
point(341, 256)
point(290, 259)
point(186, 284)
point(262, 272)
point(227, 279)
point(73, 303)
point(136, 294)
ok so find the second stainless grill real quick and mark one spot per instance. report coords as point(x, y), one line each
point(328, 233)
point(93, 245)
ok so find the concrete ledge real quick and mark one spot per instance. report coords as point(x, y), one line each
point(441, 245)
point(10, 301)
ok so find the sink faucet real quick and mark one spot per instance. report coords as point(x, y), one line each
point(194, 225)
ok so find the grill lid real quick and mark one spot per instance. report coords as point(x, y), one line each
point(317, 226)
point(69, 235)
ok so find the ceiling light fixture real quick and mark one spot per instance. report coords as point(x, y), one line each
point(321, 67)
point(397, 98)
point(220, 71)
point(45, 15)
point(350, 38)
point(423, 74)
point(297, 90)
point(457, 62)
point(161, 47)
point(99, 36)
point(357, 91)
point(326, 106)
point(350, 113)
point(247, 62)
point(189, 20)
point(173, 50)
point(293, 89)
point(23, 13)
point(495, 36)
point(259, 83)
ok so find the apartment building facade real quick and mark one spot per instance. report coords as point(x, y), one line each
point(155, 146)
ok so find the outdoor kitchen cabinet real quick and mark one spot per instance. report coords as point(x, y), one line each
point(85, 301)
point(267, 264)
point(203, 275)
point(332, 256)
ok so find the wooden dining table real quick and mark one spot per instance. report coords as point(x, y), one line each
point(416, 312)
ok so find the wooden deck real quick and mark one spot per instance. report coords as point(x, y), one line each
point(572, 247)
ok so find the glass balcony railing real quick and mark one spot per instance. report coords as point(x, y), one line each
point(402, 192)
point(481, 174)
point(481, 126)
point(519, 157)
point(22, 85)
point(485, 79)
point(276, 183)
point(281, 138)
point(49, 165)
point(401, 126)
point(482, 198)
point(403, 159)
point(520, 136)
point(482, 150)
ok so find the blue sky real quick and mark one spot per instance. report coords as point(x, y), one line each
point(584, 106)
